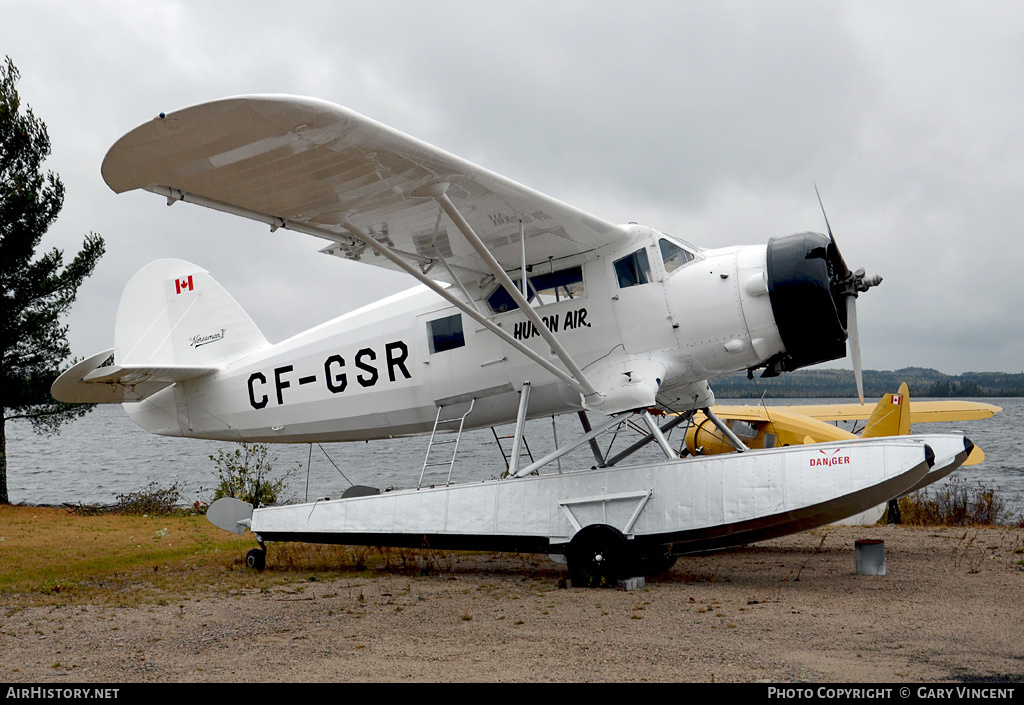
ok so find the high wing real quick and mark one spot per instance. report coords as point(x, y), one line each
point(315, 167)
point(920, 411)
point(787, 426)
point(750, 414)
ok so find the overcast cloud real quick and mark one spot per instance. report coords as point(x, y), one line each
point(708, 120)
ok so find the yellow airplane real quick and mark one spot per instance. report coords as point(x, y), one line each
point(776, 426)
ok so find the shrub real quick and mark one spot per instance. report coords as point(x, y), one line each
point(953, 504)
point(152, 499)
point(245, 474)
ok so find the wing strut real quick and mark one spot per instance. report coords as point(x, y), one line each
point(357, 236)
point(439, 192)
point(464, 307)
point(517, 439)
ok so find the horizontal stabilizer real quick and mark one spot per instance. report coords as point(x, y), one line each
point(90, 383)
point(230, 514)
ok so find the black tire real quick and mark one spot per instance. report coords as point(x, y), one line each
point(256, 559)
point(597, 556)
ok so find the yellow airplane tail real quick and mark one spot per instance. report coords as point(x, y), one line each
point(891, 416)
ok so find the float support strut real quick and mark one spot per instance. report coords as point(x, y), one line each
point(733, 439)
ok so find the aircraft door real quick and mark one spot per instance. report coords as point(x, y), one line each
point(464, 358)
point(638, 303)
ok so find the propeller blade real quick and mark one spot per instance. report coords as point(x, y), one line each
point(848, 284)
point(845, 273)
point(853, 338)
point(818, 194)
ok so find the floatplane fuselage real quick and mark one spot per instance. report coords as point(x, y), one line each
point(383, 370)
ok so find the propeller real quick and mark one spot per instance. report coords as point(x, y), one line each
point(848, 285)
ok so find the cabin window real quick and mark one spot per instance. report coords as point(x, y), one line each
point(560, 285)
point(445, 333)
point(633, 270)
point(744, 429)
point(673, 255)
point(544, 289)
point(500, 301)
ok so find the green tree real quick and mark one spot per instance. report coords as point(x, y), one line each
point(34, 293)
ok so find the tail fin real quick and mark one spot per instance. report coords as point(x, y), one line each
point(173, 312)
point(891, 416)
point(174, 323)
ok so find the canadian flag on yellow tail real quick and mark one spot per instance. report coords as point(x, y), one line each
point(891, 416)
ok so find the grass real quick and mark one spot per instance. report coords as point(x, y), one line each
point(51, 556)
point(61, 556)
point(57, 553)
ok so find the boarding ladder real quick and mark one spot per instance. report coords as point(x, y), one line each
point(439, 422)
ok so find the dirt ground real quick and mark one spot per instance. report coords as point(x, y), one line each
point(788, 610)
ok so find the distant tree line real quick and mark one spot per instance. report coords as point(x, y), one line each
point(922, 382)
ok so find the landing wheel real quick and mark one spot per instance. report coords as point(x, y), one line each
point(256, 559)
point(597, 556)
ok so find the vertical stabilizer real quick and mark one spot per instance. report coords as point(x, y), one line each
point(891, 416)
point(173, 312)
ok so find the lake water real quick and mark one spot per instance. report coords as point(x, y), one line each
point(104, 454)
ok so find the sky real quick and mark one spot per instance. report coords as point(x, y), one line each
point(711, 121)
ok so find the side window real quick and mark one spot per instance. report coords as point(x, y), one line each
point(633, 270)
point(543, 289)
point(445, 333)
point(500, 301)
point(673, 255)
point(555, 286)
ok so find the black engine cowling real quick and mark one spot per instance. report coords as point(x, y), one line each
point(811, 317)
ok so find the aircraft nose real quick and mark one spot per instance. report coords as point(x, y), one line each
point(808, 312)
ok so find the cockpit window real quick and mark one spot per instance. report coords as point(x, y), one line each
point(633, 270)
point(543, 289)
point(673, 255)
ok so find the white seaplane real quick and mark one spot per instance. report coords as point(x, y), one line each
point(526, 308)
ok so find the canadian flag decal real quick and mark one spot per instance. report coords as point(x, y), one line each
point(182, 285)
point(895, 397)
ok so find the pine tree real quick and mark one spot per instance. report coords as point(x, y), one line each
point(34, 293)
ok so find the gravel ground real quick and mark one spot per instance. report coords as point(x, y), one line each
point(788, 610)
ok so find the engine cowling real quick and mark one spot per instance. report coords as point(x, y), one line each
point(809, 313)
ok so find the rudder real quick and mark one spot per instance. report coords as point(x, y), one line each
point(172, 312)
point(891, 416)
